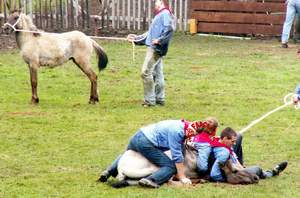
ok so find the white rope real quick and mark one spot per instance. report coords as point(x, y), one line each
point(286, 103)
point(94, 37)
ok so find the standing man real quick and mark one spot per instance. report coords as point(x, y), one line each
point(157, 41)
point(292, 7)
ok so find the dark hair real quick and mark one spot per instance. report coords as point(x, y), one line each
point(228, 132)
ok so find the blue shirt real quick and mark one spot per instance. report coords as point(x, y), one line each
point(298, 91)
point(167, 135)
point(161, 29)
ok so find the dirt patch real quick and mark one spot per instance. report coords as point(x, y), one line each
point(7, 42)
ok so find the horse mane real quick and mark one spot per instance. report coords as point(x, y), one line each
point(29, 25)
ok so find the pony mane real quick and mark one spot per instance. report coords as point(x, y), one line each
point(28, 24)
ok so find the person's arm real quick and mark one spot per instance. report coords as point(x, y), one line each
point(175, 142)
point(137, 39)
point(180, 174)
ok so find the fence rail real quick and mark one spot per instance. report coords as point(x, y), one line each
point(256, 17)
point(93, 15)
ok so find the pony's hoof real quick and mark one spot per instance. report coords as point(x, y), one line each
point(34, 100)
point(93, 100)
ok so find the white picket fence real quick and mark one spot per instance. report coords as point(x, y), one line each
point(138, 14)
point(92, 14)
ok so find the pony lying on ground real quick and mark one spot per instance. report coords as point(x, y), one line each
point(52, 49)
point(133, 166)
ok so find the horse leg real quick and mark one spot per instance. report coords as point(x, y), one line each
point(33, 81)
point(86, 68)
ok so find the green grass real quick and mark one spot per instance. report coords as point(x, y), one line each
point(58, 148)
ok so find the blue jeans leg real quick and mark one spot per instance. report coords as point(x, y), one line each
point(113, 169)
point(141, 144)
point(292, 8)
point(204, 151)
point(221, 155)
point(238, 149)
point(259, 172)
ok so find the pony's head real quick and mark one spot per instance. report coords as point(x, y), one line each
point(13, 21)
point(18, 21)
point(234, 176)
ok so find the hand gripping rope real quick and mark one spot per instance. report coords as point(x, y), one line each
point(287, 100)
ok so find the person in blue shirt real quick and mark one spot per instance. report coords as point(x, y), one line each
point(296, 98)
point(157, 41)
point(151, 141)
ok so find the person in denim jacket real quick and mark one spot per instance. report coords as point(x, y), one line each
point(157, 40)
point(202, 143)
point(296, 97)
point(152, 141)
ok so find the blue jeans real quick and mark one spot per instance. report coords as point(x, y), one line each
point(204, 150)
point(259, 172)
point(221, 155)
point(141, 144)
point(292, 8)
point(153, 78)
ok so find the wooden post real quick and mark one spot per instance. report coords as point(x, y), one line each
point(133, 15)
point(149, 12)
point(118, 14)
point(5, 11)
point(82, 14)
point(113, 13)
point(180, 15)
point(61, 14)
point(51, 14)
point(41, 20)
point(123, 14)
point(72, 14)
point(36, 13)
point(185, 14)
point(1, 21)
point(88, 14)
point(128, 14)
point(46, 14)
point(139, 15)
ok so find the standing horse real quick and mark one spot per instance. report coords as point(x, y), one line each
point(52, 49)
point(133, 166)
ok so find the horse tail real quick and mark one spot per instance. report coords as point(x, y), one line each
point(102, 57)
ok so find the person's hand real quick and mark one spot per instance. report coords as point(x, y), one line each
point(155, 42)
point(131, 37)
point(186, 181)
point(296, 99)
point(298, 53)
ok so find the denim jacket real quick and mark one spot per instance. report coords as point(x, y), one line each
point(167, 135)
point(161, 29)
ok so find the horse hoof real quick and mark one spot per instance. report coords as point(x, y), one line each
point(93, 100)
point(35, 101)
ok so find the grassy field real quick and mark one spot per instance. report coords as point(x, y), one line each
point(58, 148)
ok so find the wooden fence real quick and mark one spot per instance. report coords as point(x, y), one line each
point(255, 17)
point(93, 15)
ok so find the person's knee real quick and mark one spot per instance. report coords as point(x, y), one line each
point(202, 166)
point(217, 177)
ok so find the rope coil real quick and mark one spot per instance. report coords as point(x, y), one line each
point(288, 100)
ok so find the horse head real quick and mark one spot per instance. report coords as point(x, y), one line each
point(18, 21)
point(234, 176)
point(13, 22)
